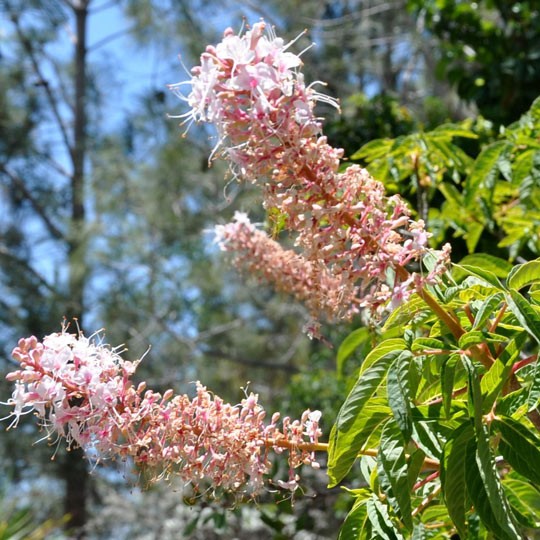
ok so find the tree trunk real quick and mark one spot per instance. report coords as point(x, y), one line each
point(74, 470)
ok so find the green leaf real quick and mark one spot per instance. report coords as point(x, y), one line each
point(447, 131)
point(482, 501)
point(422, 343)
point(397, 386)
point(520, 447)
point(487, 309)
point(356, 523)
point(513, 404)
point(371, 374)
point(425, 437)
point(492, 485)
point(473, 234)
point(453, 474)
point(486, 275)
point(373, 149)
point(525, 497)
point(522, 167)
point(475, 395)
point(524, 275)
point(344, 446)
point(414, 466)
point(499, 267)
point(475, 337)
point(380, 521)
point(405, 310)
point(419, 532)
point(348, 433)
point(493, 381)
point(349, 345)
point(391, 460)
point(534, 390)
point(524, 313)
point(447, 382)
point(484, 168)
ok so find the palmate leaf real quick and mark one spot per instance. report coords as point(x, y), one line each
point(414, 466)
point(393, 472)
point(476, 337)
point(487, 495)
point(447, 131)
point(344, 446)
point(373, 149)
point(405, 311)
point(520, 447)
point(493, 381)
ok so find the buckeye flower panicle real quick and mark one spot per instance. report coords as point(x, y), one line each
point(81, 390)
point(344, 227)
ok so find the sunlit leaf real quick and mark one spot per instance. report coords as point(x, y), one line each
point(524, 275)
point(349, 345)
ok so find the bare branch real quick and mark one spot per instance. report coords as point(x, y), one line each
point(61, 85)
point(347, 19)
point(112, 37)
point(218, 353)
point(59, 168)
point(5, 254)
point(105, 5)
point(17, 181)
point(27, 44)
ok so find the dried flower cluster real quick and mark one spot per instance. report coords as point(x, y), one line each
point(349, 234)
point(81, 390)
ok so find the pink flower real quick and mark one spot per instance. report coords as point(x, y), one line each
point(353, 241)
point(81, 390)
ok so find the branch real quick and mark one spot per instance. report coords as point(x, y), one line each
point(4, 253)
point(17, 181)
point(112, 37)
point(218, 353)
point(105, 5)
point(360, 14)
point(59, 168)
point(35, 64)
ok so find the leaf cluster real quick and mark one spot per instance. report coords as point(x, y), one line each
point(491, 194)
point(443, 425)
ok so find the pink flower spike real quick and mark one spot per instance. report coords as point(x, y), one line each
point(80, 389)
point(352, 242)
